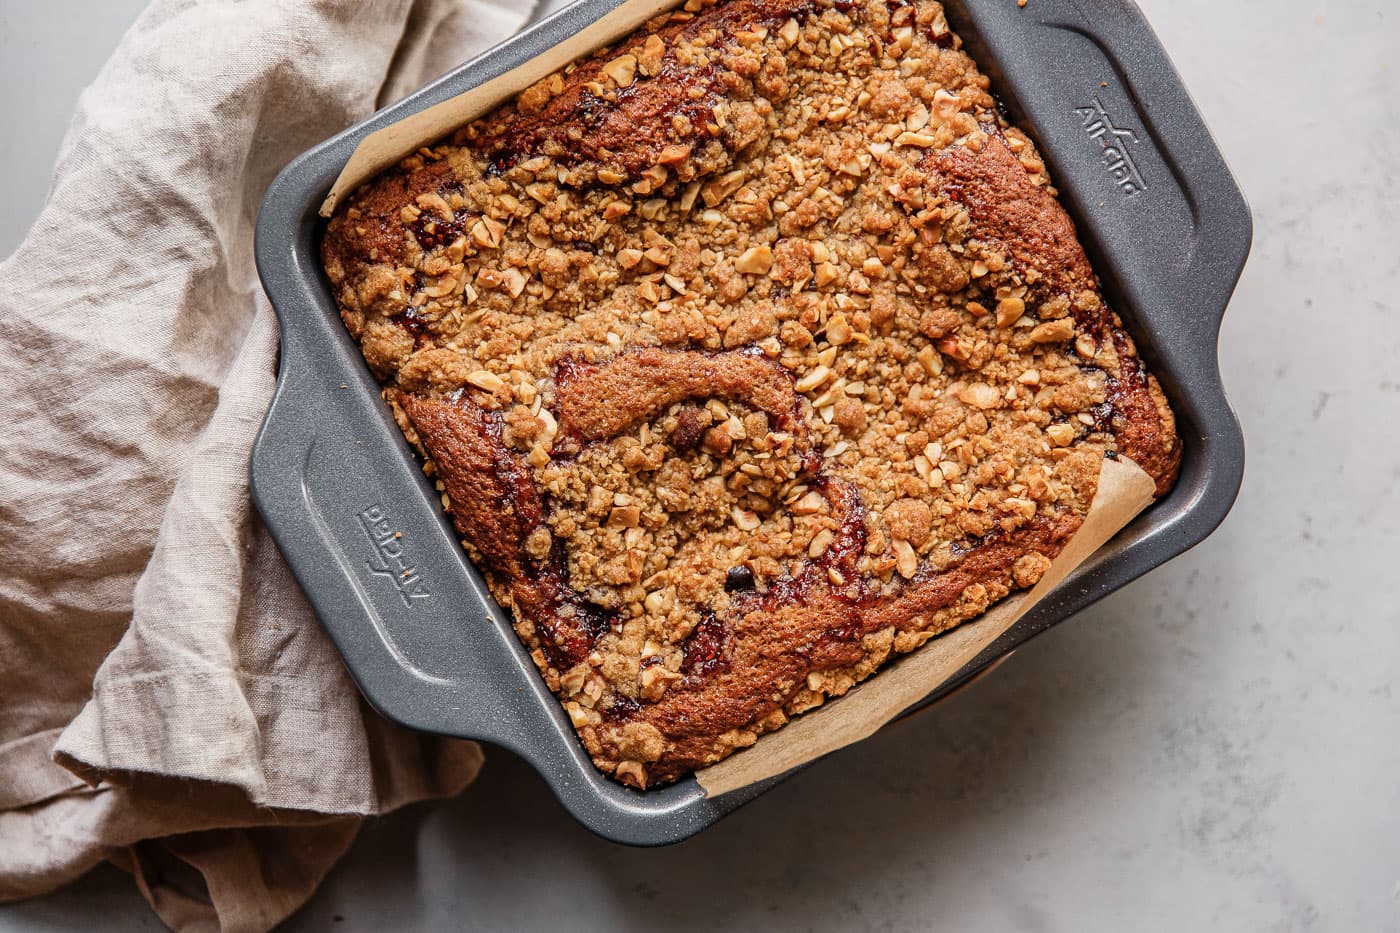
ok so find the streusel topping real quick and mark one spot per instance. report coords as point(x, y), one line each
point(747, 353)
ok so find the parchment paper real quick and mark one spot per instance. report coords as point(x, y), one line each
point(383, 148)
point(1124, 489)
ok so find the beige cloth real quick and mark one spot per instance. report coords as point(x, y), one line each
point(152, 641)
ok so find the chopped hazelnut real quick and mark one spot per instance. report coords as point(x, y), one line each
point(1009, 311)
point(1053, 331)
point(486, 381)
point(744, 519)
point(621, 69)
point(906, 560)
point(1061, 435)
point(756, 260)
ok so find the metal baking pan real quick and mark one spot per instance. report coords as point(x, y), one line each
point(1165, 224)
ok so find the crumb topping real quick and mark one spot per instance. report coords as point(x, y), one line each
point(747, 353)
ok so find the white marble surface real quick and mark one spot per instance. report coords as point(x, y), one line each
point(1214, 748)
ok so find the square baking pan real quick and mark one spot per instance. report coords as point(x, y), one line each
point(1165, 225)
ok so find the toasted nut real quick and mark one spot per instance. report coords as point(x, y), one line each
point(551, 426)
point(660, 600)
point(670, 155)
point(442, 287)
point(756, 260)
point(1085, 346)
point(790, 32)
point(514, 281)
point(838, 330)
point(622, 69)
point(977, 309)
point(435, 202)
point(826, 273)
point(946, 104)
point(721, 188)
point(745, 520)
point(654, 681)
point(820, 542)
point(1009, 311)
point(1030, 377)
point(930, 360)
point(1061, 435)
point(980, 395)
point(633, 773)
point(918, 140)
point(905, 560)
point(628, 258)
point(610, 176)
point(814, 378)
point(1026, 508)
point(811, 503)
point(487, 232)
point(577, 715)
point(625, 516)
point(1053, 331)
point(952, 347)
point(486, 381)
point(572, 682)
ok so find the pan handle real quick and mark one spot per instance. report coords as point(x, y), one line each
point(345, 510)
point(428, 647)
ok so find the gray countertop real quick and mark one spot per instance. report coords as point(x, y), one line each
point(1215, 747)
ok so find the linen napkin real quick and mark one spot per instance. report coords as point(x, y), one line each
point(168, 701)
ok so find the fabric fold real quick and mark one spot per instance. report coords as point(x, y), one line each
point(167, 699)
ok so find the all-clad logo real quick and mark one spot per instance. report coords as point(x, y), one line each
point(1117, 156)
point(389, 560)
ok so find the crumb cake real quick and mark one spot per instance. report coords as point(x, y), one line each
point(747, 354)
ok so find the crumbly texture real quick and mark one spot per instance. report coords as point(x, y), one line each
point(747, 354)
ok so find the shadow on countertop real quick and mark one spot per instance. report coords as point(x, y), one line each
point(925, 798)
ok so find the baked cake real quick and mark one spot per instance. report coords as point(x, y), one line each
point(747, 354)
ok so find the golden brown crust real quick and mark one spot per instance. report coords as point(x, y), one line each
point(594, 402)
point(748, 354)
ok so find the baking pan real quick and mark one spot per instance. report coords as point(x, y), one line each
point(1165, 225)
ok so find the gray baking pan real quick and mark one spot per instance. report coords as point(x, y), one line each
point(362, 529)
